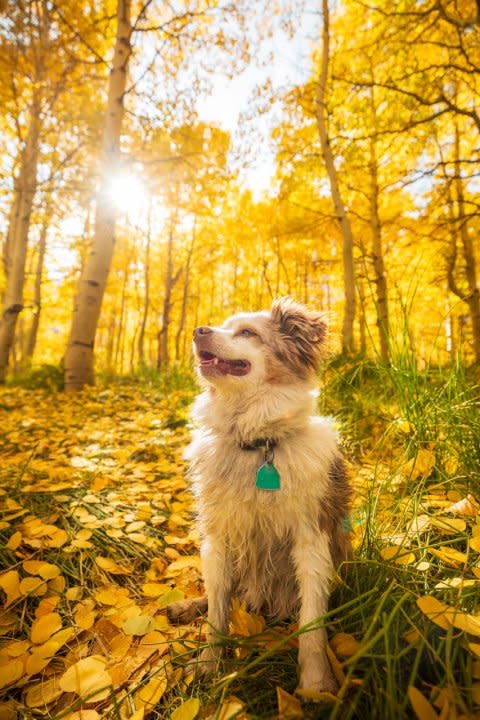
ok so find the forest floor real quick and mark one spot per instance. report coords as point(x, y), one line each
point(97, 539)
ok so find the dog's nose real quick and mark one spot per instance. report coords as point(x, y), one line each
point(202, 330)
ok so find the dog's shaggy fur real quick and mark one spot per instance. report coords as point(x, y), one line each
point(275, 549)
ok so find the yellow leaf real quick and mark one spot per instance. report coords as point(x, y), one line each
point(153, 589)
point(32, 566)
point(188, 710)
point(120, 646)
point(398, 554)
point(88, 679)
point(476, 693)
point(422, 708)
point(421, 465)
point(43, 693)
point(475, 543)
point(463, 621)
point(57, 538)
point(405, 426)
point(45, 626)
point(33, 586)
point(170, 597)
point(188, 561)
point(230, 708)
point(36, 664)
point(74, 593)
point(411, 636)
point(112, 596)
point(336, 666)
point(57, 584)
point(445, 615)
point(135, 526)
point(84, 617)
point(11, 673)
point(47, 605)
point(111, 566)
point(53, 645)
point(8, 710)
point(449, 526)
point(344, 644)
point(474, 648)
point(47, 571)
point(449, 556)
point(155, 639)
point(243, 623)
point(139, 625)
point(10, 584)
point(151, 693)
point(86, 715)
point(434, 610)
point(289, 707)
point(14, 541)
point(17, 648)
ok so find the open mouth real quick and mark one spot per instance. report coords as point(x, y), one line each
point(209, 361)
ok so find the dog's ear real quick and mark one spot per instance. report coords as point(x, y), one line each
point(302, 332)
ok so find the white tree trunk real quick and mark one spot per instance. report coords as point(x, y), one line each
point(17, 239)
point(37, 290)
point(344, 222)
point(79, 356)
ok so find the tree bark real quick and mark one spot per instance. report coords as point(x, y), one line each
point(472, 297)
point(186, 285)
point(37, 291)
point(79, 356)
point(377, 254)
point(163, 356)
point(146, 303)
point(120, 335)
point(17, 238)
point(348, 344)
point(362, 321)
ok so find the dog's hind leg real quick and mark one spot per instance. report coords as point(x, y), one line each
point(218, 583)
point(313, 566)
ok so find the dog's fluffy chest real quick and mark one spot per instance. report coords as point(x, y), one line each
point(224, 481)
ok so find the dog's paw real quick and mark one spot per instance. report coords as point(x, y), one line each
point(207, 663)
point(316, 680)
point(186, 611)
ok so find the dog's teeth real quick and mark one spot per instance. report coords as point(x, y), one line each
point(215, 362)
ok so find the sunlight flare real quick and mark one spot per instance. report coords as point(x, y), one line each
point(128, 193)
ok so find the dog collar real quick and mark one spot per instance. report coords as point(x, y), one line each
point(268, 477)
point(259, 444)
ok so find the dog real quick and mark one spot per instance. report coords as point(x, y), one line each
point(271, 488)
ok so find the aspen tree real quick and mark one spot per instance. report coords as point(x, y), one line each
point(348, 344)
point(79, 354)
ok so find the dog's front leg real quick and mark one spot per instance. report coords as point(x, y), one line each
point(313, 565)
point(217, 576)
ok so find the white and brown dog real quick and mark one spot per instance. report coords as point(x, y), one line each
point(269, 480)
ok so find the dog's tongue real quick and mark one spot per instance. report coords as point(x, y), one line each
point(225, 367)
point(232, 367)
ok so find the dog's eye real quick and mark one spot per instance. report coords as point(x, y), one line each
point(246, 332)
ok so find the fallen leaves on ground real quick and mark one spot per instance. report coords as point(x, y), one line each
point(97, 535)
point(94, 505)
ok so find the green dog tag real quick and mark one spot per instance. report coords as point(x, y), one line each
point(268, 477)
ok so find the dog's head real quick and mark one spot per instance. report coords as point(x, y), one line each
point(279, 346)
